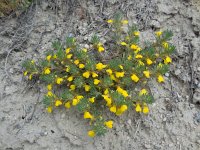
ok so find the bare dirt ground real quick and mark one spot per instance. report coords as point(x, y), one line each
point(174, 120)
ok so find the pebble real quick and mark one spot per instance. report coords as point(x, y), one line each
point(164, 119)
point(167, 74)
point(177, 72)
point(155, 23)
point(63, 115)
point(171, 145)
point(129, 121)
point(198, 69)
point(198, 141)
point(86, 46)
point(148, 146)
point(198, 85)
point(11, 70)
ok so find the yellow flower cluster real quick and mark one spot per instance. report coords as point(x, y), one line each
point(94, 85)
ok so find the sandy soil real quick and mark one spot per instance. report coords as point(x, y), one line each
point(174, 120)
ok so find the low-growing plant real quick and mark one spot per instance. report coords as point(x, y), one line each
point(8, 6)
point(95, 85)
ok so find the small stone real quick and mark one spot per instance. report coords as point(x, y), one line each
point(155, 24)
point(129, 121)
point(167, 74)
point(86, 46)
point(197, 117)
point(196, 81)
point(196, 96)
point(198, 69)
point(63, 115)
point(11, 70)
point(198, 141)
point(171, 144)
point(177, 72)
point(198, 85)
point(148, 146)
point(164, 119)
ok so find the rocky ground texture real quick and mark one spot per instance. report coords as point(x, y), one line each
point(174, 119)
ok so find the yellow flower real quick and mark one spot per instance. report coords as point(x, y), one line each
point(160, 65)
point(122, 91)
point(49, 93)
point(67, 50)
point(113, 77)
point(81, 66)
point(110, 21)
point(118, 112)
point(69, 56)
point(167, 60)
point(67, 69)
point(165, 45)
point(109, 124)
point(54, 56)
point(49, 87)
point(121, 67)
point(149, 61)
point(79, 97)
point(100, 66)
point(72, 87)
point(58, 103)
point(75, 101)
point(87, 115)
point(30, 76)
point(123, 43)
point(123, 108)
point(129, 57)
point(67, 105)
point(119, 74)
point(109, 71)
point(94, 74)
point(84, 49)
point(49, 109)
point(48, 57)
point(107, 99)
point(101, 49)
point(32, 61)
point(136, 33)
point(87, 88)
point(145, 109)
point(134, 47)
point(47, 71)
point(158, 33)
point(92, 99)
point(91, 133)
point(70, 78)
point(160, 79)
point(76, 62)
point(59, 80)
point(86, 74)
point(143, 92)
point(138, 108)
point(106, 92)
point(113, 109)
point(138, 56)
point(96, 81)
point(135, 78)
point(146, 73)
point(25, 73)
point(125, 21)
point(125, 93)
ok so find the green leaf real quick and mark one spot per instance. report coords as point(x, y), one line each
point(83, 105)
point(47, 100)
